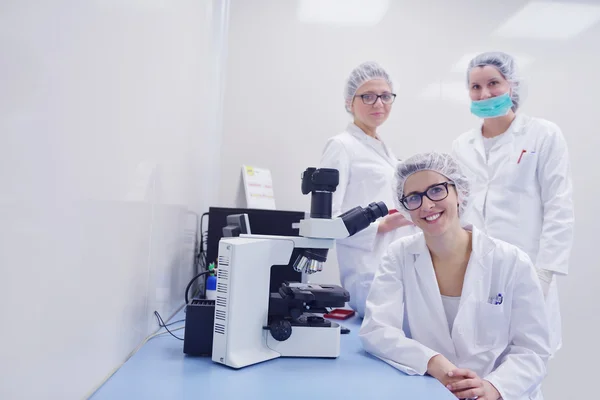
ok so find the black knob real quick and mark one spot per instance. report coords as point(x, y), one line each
point(281, 330)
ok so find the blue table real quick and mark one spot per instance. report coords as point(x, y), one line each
point(160, 370)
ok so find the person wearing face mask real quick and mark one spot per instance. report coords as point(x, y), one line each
point(366, 172)
point(520, 171)
point(452, 302)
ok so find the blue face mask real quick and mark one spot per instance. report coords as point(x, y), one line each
point(493, 107)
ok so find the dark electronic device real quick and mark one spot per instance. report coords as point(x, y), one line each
point(199, 323)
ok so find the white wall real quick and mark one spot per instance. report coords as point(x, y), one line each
point(107, 130)
point(284, 99)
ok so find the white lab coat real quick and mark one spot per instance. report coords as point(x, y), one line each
point(367, 168)
point(506, 344)
point(527, 203)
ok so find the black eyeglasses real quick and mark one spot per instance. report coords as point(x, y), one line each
point(436, 192)
point(371, 98)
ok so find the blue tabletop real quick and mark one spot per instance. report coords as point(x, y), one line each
point(160, 370)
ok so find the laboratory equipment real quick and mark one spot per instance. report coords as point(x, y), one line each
point(252, 325)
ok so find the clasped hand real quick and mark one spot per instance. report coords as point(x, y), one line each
point(465, 384)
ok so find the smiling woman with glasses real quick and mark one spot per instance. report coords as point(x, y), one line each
point(453, 303)
point(437, 192)
point(366, 166)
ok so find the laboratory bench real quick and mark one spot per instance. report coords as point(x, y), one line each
point(160, 370)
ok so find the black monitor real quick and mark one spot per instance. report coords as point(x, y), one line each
point(262, 222)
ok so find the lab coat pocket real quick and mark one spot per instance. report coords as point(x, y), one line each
point(524, 172)
point(491, 324)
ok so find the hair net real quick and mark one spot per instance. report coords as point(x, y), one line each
point(508, 68)
point(441, 163)
point(359, 76)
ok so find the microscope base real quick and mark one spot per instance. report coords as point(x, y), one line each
point(308, 341)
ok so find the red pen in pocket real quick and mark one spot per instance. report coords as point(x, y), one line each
point(521, 156)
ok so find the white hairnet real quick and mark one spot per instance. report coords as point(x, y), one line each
point(359, 76)
point(508, 68)
point(441, 163)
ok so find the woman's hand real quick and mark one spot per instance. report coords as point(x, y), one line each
point(391, 222)
point(439, 367)
point(468, 385)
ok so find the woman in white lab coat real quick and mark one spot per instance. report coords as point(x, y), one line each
point(519, 169)
point(452, 302)
point(366, 172)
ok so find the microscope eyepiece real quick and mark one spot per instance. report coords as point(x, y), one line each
point(359, 218)
point(376, 210)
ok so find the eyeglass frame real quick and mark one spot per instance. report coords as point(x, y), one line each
point(378, 96)
point(421, 194)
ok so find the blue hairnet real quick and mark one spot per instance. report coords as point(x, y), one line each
point(506, 65)
point(441, 163)
point(359, 76)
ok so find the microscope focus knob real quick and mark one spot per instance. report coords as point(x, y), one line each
point(281, 330)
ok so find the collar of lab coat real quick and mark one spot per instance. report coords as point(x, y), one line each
point(372, 143)
point(360, 134)
point(516, 128)
point(476, 277)
point(479, 261)
point(482, 244)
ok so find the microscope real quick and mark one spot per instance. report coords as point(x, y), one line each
point(252, 325)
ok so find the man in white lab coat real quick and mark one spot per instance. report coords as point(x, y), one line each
point(453, 302)
point(520, 173)
point(366, 169)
